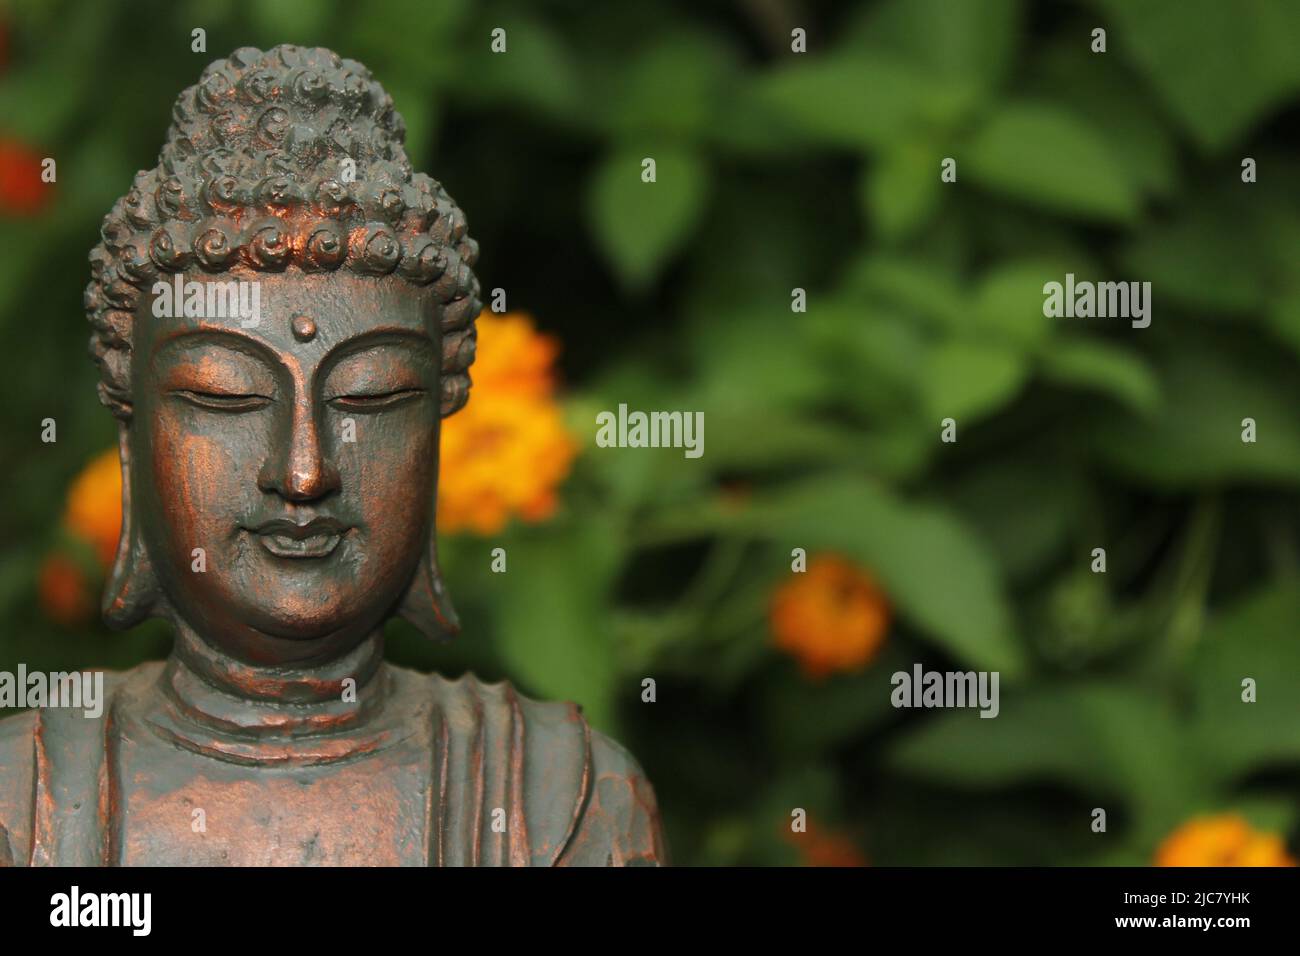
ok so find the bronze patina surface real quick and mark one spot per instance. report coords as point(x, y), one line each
point(277, 464)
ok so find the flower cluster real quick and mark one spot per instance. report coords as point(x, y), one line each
point(831, 617)
point(506, 453)
point(22, 193)
point(92, 518)
point(1222, 840)
point(821, 846)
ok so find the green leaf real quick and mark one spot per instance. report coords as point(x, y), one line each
point(735, 348)
point(672, 86)
point(1220, 67)
point(855, 102)
point(419, 109)
point(427, 51)
point(1106, 741)
point(925, 290)
point(43, 95)
point(297, 23)
point(746, 122)
point(869, 358)
point(1024, 510)
point(1196, 262)
point(1047, 156)
point(805, 718)
point(1284, 319)
point(900, 190)
point(1009, 302)
point(1255, 639)
point(1130, 120)
point(639, 225)
point(1209, 388)
point(968, 43)
point(966, 381)
point(1102, 367)
point(536, 69)
point(1278, 813)
point(551, 626)
point(786, 437)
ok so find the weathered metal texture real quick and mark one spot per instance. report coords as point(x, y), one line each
point(277, 510)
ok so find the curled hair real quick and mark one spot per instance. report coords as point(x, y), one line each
point(291, 156)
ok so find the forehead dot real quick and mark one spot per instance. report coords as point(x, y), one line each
point(304, 329)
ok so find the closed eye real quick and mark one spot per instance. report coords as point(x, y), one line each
point(222, 401)
point(377, 402)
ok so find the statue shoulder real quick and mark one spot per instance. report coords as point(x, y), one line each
point(56, 752)
point(620, 825)
point(17, 743)
point(581, 798)
point(587, 794)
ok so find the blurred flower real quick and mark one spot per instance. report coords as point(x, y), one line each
point(513, 358)
point(21, 191)
point(831, 617)
point(94, 508)
point(64, 591)
point(1222, 840)
point(818, 846)
point(506, 452)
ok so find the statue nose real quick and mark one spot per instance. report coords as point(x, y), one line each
point(303, 472)
point(309, 479)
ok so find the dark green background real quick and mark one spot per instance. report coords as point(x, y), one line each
point(818, 171)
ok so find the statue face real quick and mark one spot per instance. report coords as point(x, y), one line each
point(299, 453)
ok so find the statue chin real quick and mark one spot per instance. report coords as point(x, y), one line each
point(275, 635)
point(321, 631)
point(322, 615)
point(308, 619)
point(277, 610)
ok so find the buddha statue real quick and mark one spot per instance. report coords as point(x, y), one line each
point(282, 312)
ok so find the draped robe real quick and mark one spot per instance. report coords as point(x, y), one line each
point(431, 772)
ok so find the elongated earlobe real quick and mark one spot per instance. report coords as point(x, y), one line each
point(133, 592)
point(426, 603)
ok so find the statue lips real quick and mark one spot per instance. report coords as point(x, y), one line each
point(287, 539)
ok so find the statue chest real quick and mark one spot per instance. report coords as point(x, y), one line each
point(176, 808)
point(444, 773)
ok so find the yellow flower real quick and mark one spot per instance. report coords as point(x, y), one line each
point(94, 506)
point(513, 358)
point(506, 452)
point(1222, 840)
point(831, 617)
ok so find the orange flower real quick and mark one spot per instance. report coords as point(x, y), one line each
point(831, 617)
point(94, 508)
point(513, 358)
point(1222, 840)
point(823, 847)
point(506, 452)
point(21, 190)
point(64, 591)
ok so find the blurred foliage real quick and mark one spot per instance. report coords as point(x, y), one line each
point(819, 171)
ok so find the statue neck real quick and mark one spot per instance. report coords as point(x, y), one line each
point(214, 693)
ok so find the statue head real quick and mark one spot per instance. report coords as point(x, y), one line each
point(283, 311)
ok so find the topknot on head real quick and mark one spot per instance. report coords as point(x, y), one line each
point(283, 125)
point(291, 156)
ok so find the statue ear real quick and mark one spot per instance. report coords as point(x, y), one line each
point(426, 603)
point(133, 591)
